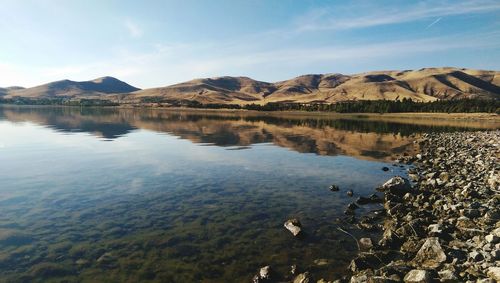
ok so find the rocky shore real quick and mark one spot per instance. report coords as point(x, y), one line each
point(442, 225)
point(445, 227)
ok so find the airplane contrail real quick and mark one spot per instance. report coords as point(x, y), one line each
point(433, 23)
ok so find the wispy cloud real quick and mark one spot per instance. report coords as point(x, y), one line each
point(327, 19)
point(180, 62)
point(134, 30)
point(433, 23)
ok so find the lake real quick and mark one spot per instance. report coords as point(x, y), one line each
point(130, 195)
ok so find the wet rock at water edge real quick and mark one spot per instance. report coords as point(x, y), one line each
point(397, 186)
point(352, 206)
point(294, 226)
point(334, 188)
point(362, 200)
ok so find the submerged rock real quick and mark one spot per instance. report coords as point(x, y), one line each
point(294, 226)
point(334, 188)
point(366, 243)
point(303, 278)
point(265, 272)
point(264, 275)
point(321, 261)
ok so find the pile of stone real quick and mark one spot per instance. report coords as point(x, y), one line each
point(445, 227)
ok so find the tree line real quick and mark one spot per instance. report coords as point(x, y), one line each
point(365, 106)
point(361, 106)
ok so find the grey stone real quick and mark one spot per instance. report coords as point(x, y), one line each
point(396, 185)
point(430, 255)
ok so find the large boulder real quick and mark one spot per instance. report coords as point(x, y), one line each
point(396, 185)
point(430, 255)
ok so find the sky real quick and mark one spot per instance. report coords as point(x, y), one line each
point(157, 43)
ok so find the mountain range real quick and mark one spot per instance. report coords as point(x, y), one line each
point(426, 84)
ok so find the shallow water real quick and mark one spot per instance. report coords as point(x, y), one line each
point(107, 195)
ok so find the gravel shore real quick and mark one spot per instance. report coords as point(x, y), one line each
point(444, 227)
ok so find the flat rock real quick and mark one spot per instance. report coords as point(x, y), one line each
point(430, 255)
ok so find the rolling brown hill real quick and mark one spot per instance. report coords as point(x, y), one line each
point(426, 84)
point(66, 88)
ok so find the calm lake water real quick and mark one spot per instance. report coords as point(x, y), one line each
point(107, 195)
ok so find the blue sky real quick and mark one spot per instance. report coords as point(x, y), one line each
point(157, 43)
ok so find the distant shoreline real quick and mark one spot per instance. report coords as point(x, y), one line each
point(409, 115)
point(358, 115)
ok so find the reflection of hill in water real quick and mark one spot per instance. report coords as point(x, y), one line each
point(320, 135)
